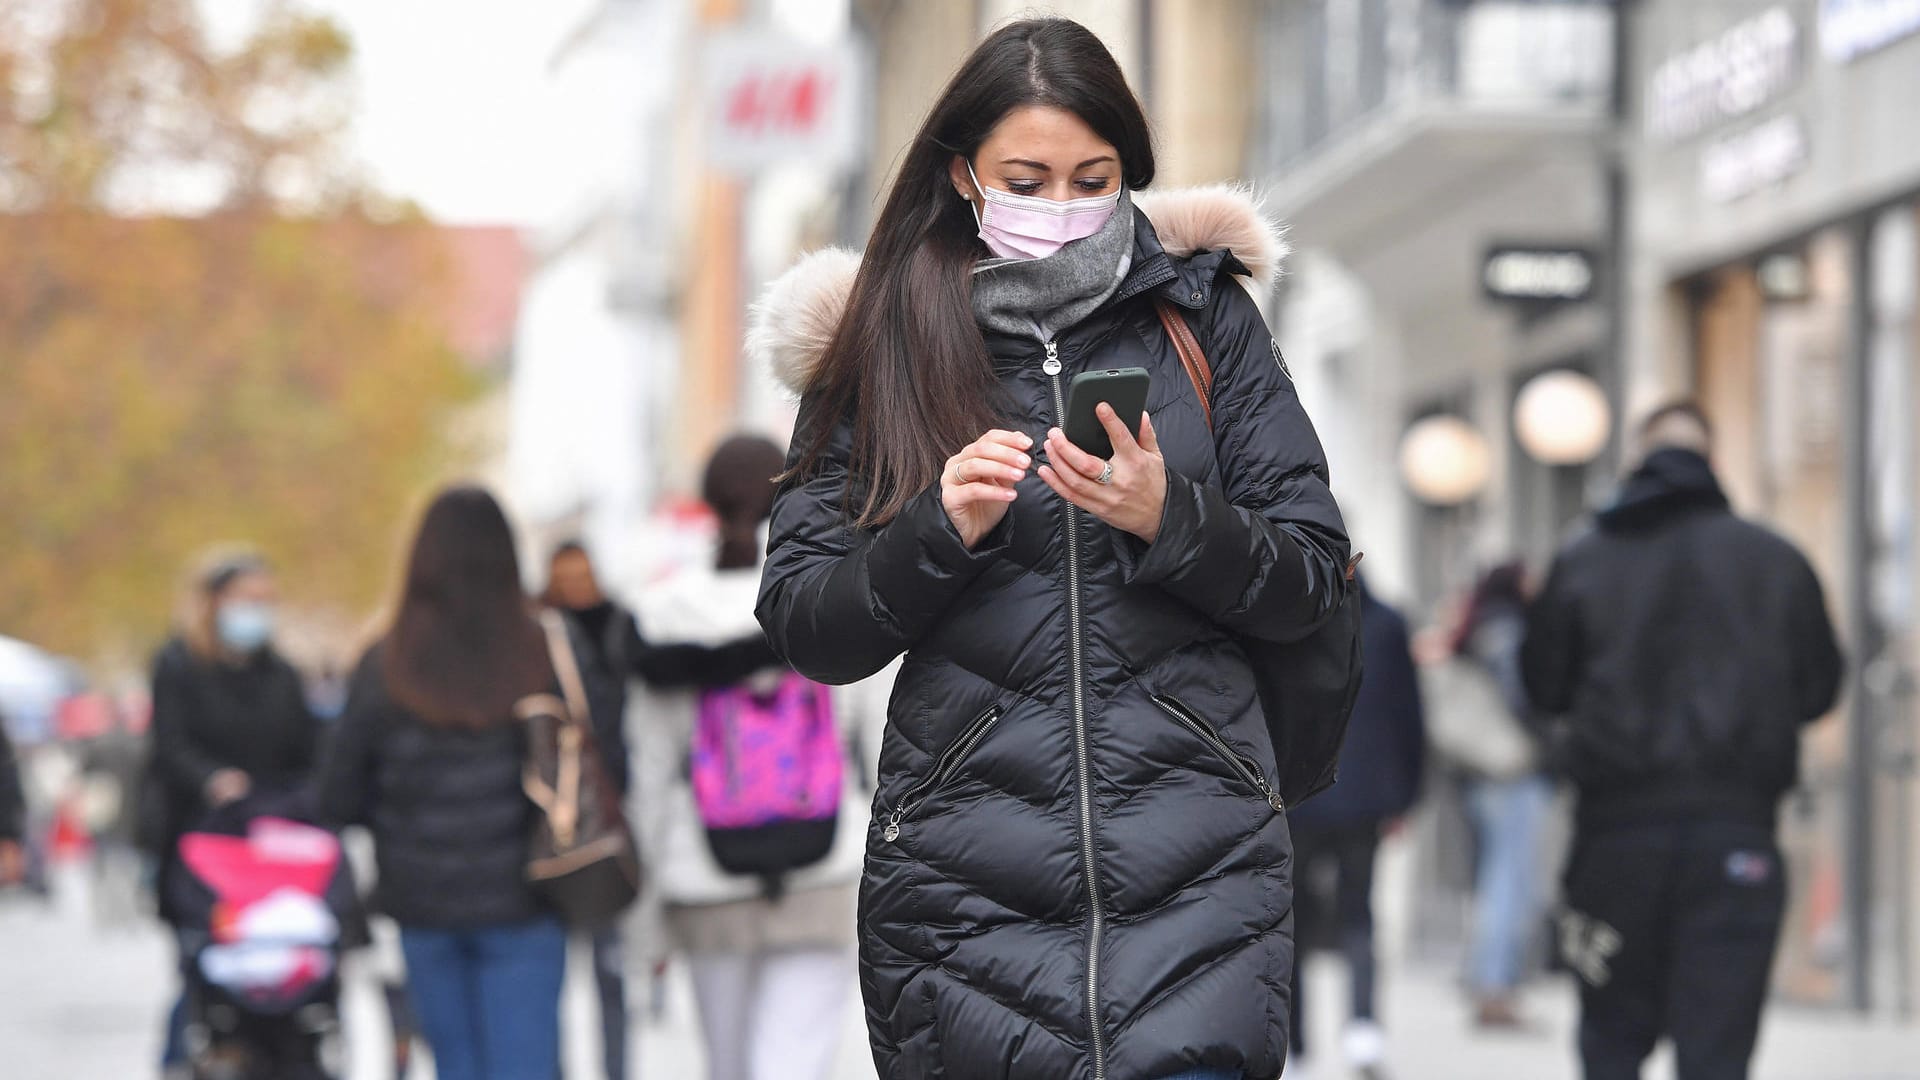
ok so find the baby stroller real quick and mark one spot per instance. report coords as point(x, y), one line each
point(263, 900)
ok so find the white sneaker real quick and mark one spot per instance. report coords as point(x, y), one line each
point(1365, 1044)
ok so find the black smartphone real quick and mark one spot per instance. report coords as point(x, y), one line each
point(1123, 388)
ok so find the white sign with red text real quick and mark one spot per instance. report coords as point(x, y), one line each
point(772, 100)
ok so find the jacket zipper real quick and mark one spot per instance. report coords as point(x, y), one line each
point(1248, 771)
point(1090, 866)
point(958, 751)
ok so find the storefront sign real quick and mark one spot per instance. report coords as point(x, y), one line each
point(1756, 158)
point(1537, 275)
point(1724, 77)
point(771, 100)
point(1850, 29)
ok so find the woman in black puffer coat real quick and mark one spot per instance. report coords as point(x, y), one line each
point(429, 757)
point(1076, 867)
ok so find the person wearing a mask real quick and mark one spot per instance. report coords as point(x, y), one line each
point(1078, 864)
point(230, 716)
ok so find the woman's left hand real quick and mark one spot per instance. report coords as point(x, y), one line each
point(1135, 492)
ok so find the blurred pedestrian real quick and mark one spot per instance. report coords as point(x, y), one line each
point(1079, 864)
point(230, 719)
point(610, 640)
point(429, 756)
point(1336, 836)
point(1481, 729)
point(1680, 650)
point(110, 764)
point(769, 941)
point(612, 654)
point(13, 814)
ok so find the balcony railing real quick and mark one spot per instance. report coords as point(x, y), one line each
point(1332, 67)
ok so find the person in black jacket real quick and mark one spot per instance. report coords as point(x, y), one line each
point(13, 814)
point(1078, 866)
point(429, 756)
point(612, 652)
point(1337, 836)
point(229, 718)
point(1681, 650)
point(229, 713)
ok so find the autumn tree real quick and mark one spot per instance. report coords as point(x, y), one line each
point(209, 329)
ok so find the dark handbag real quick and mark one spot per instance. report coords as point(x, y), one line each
point(581, 857)
point(1307, 687)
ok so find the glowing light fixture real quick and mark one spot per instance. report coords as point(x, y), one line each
point(1444, 460)
point(1562, 418)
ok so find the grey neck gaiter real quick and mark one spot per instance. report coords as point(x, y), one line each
point(1039, 298)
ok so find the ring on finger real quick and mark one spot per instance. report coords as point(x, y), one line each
point(1106, 474)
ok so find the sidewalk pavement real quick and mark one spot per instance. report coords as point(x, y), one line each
point(77, 1003)
point(1430, 1037)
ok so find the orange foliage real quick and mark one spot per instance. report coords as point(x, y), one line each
point(169, 381)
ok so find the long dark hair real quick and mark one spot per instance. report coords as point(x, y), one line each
point(1500, 591)
point(908, 361)
point(739, 487)
point(465, 646)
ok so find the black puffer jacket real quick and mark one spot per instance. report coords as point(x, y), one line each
point(209, 715)
point(1681, 649)
point(448, 815)
point(1074, 870)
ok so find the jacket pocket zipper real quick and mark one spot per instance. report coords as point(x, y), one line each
point(1237, 761)
point(957, 751)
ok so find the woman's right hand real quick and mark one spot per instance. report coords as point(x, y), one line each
point(977, 483)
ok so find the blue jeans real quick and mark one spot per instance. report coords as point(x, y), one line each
point(488, 1000)
point(1508, 816)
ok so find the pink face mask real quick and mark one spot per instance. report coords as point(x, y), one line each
point(1030, 227)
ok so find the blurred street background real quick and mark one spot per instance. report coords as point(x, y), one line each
point(271, 270)
point(77, 1002)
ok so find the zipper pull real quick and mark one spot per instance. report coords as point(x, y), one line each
point(1274, 800)
point(1052, 364)
point(892, 830)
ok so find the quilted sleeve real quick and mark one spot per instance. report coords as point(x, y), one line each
point(839, 602)
point(1265, 554)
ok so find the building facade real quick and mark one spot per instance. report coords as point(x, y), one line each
point(1478, 202)
point(1774, 267)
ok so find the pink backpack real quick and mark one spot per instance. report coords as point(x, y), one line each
point(767, 771)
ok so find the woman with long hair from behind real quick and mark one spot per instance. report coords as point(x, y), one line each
point(428, 756)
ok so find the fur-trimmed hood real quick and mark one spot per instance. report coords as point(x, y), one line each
point(794, 319)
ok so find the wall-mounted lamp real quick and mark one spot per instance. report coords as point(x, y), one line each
point(1444, 460)
point(1562, 418)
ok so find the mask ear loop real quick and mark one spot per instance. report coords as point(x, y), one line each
point(973, 207)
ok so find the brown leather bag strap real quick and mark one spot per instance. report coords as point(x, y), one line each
point(565, 667)
point(1195, 361)
point(1192, 357)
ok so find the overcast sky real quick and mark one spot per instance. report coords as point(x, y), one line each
point(450, 93)
point(449, 96)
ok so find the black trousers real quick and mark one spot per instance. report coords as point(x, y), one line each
point(1671, 930)
point(1333, 906)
